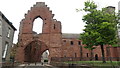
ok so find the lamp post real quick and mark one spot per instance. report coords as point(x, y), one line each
point(118, 28)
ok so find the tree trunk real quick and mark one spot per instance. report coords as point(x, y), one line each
point(81, 53)
point(103, 55)
point(91, 57)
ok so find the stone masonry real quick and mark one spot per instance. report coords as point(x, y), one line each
point(61, 47)
point(50, 38)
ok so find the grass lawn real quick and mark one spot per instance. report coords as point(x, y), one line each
point(96, 63)
point(115, 45)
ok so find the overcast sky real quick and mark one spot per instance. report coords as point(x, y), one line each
point(64, 10)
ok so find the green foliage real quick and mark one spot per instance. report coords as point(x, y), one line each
point(107, 33)
point(90, 6)
point(96, 63)
point(115, 45)
point(101, 27)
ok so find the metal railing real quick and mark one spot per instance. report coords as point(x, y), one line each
point(63, 59)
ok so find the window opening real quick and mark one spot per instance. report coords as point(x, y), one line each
point(0, 27)
point(0, 23)
point(87, 55)
point(71, 42)
point(64, 40)
point(37, 25)
point(5, 50)
point(96, 57)
point(8, 33)
point(79, 43)
point(54, 26)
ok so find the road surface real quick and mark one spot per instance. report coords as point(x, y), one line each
point(33, 65)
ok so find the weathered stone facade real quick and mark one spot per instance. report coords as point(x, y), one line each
point(32, 45)
point(111, 53)
point(50, 38)
point(6, 38)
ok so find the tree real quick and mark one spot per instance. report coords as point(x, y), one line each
point(100, 27)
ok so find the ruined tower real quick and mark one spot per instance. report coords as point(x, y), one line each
point(32, 45)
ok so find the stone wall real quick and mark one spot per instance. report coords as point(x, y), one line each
point(60, 46)
point(51, 31)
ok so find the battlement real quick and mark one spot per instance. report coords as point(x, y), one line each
point(39, 7)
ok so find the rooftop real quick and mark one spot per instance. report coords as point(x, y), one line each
point(110, 7)
point(70, 35)
point(10, 23)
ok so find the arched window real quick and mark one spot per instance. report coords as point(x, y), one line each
point(37, 25)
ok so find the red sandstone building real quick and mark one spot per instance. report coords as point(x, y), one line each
point(61, 47)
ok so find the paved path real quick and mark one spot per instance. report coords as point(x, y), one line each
point(37, 65)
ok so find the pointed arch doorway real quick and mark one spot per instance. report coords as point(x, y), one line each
point(45, 56)
point(34, 50)
point(96, 56)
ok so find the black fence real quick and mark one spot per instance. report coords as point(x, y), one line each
point(10, 64)
point(63, 59)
